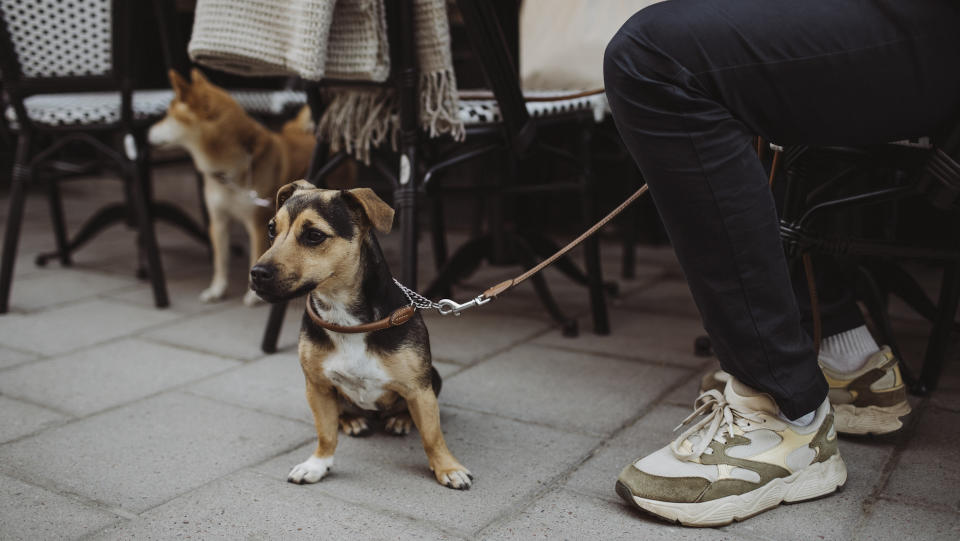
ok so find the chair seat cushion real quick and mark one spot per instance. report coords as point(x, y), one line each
point(103, 108)
point(480, 107)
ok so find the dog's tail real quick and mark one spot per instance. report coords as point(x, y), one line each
point(302, 123)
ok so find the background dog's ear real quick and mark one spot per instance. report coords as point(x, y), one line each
point(179, 84)
point(287, 190)
point(379, 213)
point(197, 76)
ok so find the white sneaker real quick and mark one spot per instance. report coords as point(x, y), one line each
point(740, 459)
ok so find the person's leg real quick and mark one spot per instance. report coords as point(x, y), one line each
point(691, 81)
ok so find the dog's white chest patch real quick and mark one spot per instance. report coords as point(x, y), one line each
point(356, 374)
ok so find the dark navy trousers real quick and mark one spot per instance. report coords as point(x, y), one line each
point(690, 82)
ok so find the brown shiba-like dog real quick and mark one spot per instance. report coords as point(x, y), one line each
point(242, 163)
point(323, 245)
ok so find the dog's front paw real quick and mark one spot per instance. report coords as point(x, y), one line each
point(213, 293)
point(252, 299)
point(311, 471)
point(399, 425)
point(455, 476)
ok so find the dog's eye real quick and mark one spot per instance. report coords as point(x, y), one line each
point(314, 236)
point(271, 230)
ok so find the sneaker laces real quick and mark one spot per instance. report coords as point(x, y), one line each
point(719, 417)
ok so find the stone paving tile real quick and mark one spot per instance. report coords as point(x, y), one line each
point(18, 418)
point(931, 460)
point(650, 337)
point(564, 389)
point(185, 292)
point(55, 286)
point(273, 385)
point(234, 331)
point(77, 325)
point(29, 513)
point(104, 376)
point(137, 456)
point(598, 475)
point(510, 461)
point(567, 515)
point(895, 520)
point(477, 334)
point(834, 516)
point(248, 505)
point(11, 357)
point(666, 297)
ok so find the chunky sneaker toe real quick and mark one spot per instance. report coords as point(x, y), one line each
point(738, 460)
point(870, 400)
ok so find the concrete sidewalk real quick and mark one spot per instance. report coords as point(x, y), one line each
point(120, 421)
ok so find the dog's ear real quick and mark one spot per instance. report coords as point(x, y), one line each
point(198, 77)
point(379, 213)
point(180, 85)
point(287, 190)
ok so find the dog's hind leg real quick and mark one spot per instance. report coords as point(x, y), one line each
point(399, 424)
point(326, 412)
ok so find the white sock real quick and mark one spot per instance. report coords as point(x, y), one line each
point(848, 351)
point(801, 421)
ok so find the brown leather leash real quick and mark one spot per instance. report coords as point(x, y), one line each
point(446, 306)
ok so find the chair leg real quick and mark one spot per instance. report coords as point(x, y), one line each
point(939, 341)
point(274, 323)
point(874, 299)
point(56, 217)
point(22, 175)
point(524, 254)
point(405, 201)
point(140, 191)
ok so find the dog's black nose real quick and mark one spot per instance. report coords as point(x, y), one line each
point(261, 273)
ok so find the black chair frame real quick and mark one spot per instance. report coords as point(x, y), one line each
point(810, 199)
point(120, 146)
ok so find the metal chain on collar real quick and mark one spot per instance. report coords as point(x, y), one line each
point(444, 306)
point(416, 299)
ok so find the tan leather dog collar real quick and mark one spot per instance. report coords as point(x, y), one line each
point(395, 319)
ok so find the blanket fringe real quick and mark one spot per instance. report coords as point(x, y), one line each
point(358, 119)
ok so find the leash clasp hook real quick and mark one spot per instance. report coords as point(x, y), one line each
point(447, 306)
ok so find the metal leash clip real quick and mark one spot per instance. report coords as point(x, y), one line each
point(447, 306)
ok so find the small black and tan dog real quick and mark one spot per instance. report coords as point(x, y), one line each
point(322, 244)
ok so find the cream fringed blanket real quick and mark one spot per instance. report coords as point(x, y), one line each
point(345, 40)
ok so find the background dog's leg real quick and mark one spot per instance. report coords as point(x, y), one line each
point(326, 413)
point(257, 231)
point(220, 241)
point(426, 415)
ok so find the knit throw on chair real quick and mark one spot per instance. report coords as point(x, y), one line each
point(343, 40)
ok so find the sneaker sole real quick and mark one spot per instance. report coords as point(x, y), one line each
point(815, 480)
point(869, 420)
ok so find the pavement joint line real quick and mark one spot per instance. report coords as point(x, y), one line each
point(614, 356)
point(32, 402)
point(240, 404)
point(904, 437)
point(939, 507)
point(562, 477)
point(520, 341)
point(183, 347)
point(541, 424)
point(390, 513)
point(52, 487)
